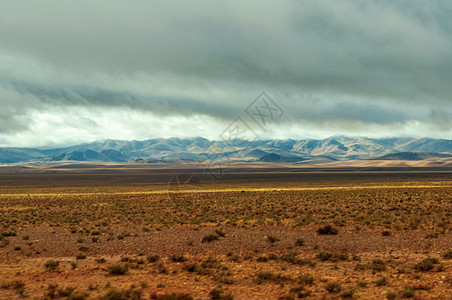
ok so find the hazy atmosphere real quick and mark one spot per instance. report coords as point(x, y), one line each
point(80, 71)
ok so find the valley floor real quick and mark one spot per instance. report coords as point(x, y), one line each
point(80, 235)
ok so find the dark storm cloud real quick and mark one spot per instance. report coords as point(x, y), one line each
point(83, 95)
point(379, 62)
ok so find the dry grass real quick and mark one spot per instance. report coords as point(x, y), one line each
point(350, 241)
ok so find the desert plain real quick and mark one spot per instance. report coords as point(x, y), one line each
point(119, 232)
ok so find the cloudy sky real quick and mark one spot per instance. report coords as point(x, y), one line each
point(77, 71)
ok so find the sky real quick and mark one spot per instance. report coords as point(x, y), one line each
point(79, 71)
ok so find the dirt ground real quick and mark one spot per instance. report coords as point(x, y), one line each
point(329, 236)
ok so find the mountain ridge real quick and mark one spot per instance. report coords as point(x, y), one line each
point(167, 150)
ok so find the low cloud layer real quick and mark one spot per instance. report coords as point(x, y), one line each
point(75, 72)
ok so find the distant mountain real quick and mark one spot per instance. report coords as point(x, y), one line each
point(414, 156)
point(148, 161)
point(108, 155)
point(426, 145)
point(177, 150)
point(14, 155)
point(273, 157)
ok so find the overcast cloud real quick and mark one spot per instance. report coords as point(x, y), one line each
point(84, 70)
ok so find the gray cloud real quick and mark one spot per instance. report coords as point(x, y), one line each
point(83, 95)
point(10, 122)
point(344, 64)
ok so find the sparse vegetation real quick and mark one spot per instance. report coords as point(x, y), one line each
point(348, 293)
point(269, 276)
point(178, 258)
point(51, 265)
point(426, 264)
point(324, 255)
point(447, 255)
point(220, 233)
point(378, 265)
point(66, 292)
point(273, 236)
point(79, 296)
point(16, 285)
point(301, 291)
point(152, 258)
point(382, 281)
point(407, 292)
point(209, 238)
point(271, 239)
point(118, 269)
point(299, 242)
point(327, 230)
point(306, 279)
point(333, 287)
point(219, 294)
point(171, 296)
point(391, 295)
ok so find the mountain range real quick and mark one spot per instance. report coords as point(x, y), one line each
point(180, 150)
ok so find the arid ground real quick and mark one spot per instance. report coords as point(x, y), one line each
point(255, 233)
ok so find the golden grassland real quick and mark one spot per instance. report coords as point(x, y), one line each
point(261, 239)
